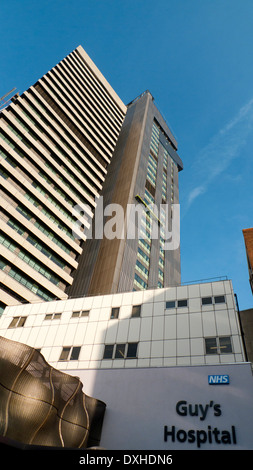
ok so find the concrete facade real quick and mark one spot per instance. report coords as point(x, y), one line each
point(56, 141)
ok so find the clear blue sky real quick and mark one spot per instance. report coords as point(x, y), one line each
point(195, 56)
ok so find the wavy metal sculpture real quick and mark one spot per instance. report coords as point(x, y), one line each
point(42, 406)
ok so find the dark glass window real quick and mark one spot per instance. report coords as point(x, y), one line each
point(221, 345)
point(132, 350)
point(225, 344)
point(49, 316)
point(57, 316)
point(80, 313)
point(85, 313)
point(75, 314)
point(65, 353)
point(70, 353)
point(52, 316)
point(115, 312)
point(211, 346)
point(182, 303)
point(207, 300)
point(108, 351)
point(136, 311)
point(75, 353)
point(120, 351)
point(219, 299)
point(17, 322)
point(171, 304)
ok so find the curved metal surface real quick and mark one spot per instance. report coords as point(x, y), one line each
point(40, 405)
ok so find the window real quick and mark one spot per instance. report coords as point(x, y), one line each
point(211, 345)
point(80, 313)
point(17, 322)
point(108, 351)
point(70, 353)
point(225, 345)
point(136, 311)
point(219, 299)
point(179, 303)
point(142, 269)
point(26, 281)
point(120, 351)
point(140, 283)
point(52, 316)
point(115, 312)
point(131, 350)
point(57, 316)
point(182, 303)
point(171, 304)
point(221, 345)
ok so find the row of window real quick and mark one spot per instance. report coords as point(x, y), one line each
point(75, 314)
point(217, 299)
point(36, 138)
point(136, 310)
point(101, 139)
point(20, 229)
point(120, 351)
point(142, 273)
point(213, 345)
point(111, 351)
point(20, 321)
point(42, 129)
point(25, 280)
point(84, 74)
point(7, 242)
point(35, 202)
point(142, 270)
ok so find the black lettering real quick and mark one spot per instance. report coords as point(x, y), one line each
point(203, 411)
point(182, 433)
point(180, 409)
point(201, 437)
point(191, 436)
point(225, 437)
point(233, 434)
point(169, 433)
point(195, 412)
point(217, 410)
point(216, 432)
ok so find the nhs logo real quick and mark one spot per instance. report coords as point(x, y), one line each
point(218, 379)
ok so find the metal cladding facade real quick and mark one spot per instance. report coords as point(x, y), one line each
point(42, 406)
point(143, 172)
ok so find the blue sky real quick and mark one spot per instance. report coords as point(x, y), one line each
point(195, 56)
